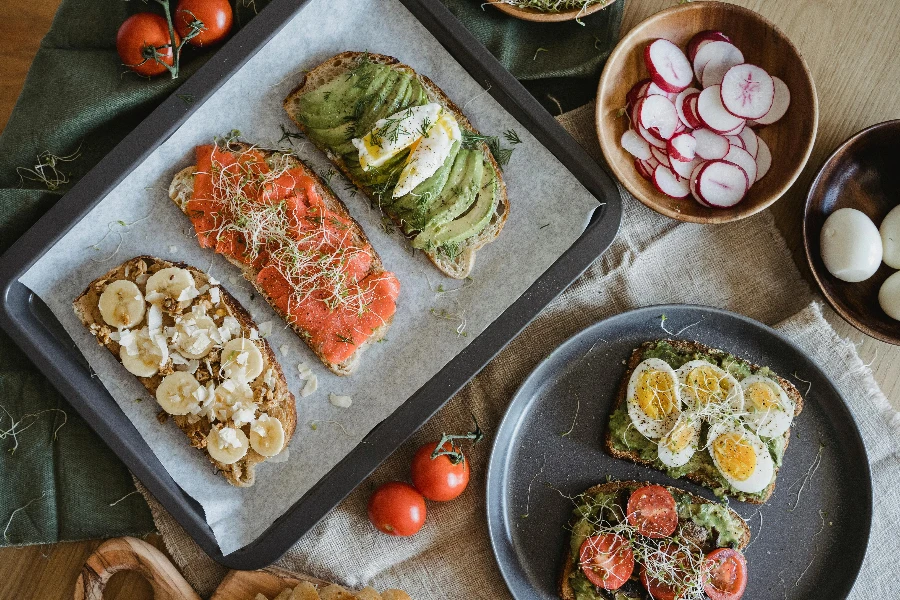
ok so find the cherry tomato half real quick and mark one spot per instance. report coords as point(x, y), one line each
point(396, 508)
point(652, 510)
point(727, 574)
point(439, 479)
point(216, 16)
point(679, 576)
point(145, 31)
point(607, 560)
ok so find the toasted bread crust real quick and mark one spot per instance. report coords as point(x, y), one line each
point(565, 589)
point(461, 265)
point(180, 192)
point(691, 347)
point(281, 406)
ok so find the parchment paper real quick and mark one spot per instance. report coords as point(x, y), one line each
point(549, 210)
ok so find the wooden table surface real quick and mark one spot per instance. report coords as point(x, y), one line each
point(850, 47)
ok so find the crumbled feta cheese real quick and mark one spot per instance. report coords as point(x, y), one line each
point(242, 357)
point(212, 280)
point(254, 335)
point(243, 415)
point(304, 370)
point(283, 349)
point(154, 318)
point(178, 359)
point(228, 438)
point(203, 289)
point(312, 384)
point(214, 295)
point(340, 401)
point(142, 278)
point(269, 378)
point(232, 324)
point(188, 293)
point(115, 336)
point(265, 329)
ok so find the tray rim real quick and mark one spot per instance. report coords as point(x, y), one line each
point(494, 492)
point(68, 373)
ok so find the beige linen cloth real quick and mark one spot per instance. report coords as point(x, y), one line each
point(744, 267)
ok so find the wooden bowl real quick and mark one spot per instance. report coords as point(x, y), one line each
point(863, 173)
point(530, 14)
point(790, 139)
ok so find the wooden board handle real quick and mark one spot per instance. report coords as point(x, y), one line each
point(131, 554)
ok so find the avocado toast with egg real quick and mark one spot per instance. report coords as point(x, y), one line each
point(196, 349)
point(395, 135)
point(701, 413)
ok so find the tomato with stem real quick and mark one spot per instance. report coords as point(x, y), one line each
point(397, 508)
point(144, 44)
point(440, 477)
point(211, 18)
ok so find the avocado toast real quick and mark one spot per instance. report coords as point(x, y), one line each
point(359, 106)
point(624, 440)
point(701, 527)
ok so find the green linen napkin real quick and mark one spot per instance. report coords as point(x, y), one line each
point(60, 481)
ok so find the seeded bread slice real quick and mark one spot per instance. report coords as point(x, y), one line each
point(700, 478)
point(278, 403)
point(461, 265)
point(182, 188)
point(565, 589)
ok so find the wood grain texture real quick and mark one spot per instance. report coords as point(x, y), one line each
point(530, 14)
point(763, 44)
point(850, 49)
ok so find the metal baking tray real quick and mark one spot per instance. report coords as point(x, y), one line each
point(34, 328)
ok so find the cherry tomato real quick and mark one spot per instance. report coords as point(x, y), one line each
point(439, 479)
point(396, 508)
point(652, 510)
point(727, 576)
point(679, 577)
point(145, 31)
point(216, 16)
point(607, 560)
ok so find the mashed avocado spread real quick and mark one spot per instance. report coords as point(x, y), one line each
point(629, 439)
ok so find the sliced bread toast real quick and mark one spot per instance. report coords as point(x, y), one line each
point(181, 191)
point(271, 396)
point(622, 487)
point(699, 477)
point(459, 265)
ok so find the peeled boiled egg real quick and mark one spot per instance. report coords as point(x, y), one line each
point(654, 402)
point(889, 296)
point(678, 445)
point(890, 238)
point(769, 410)
point(710, 389)
point(741, 457)
point(851, 245)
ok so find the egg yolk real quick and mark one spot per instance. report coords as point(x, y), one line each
point(656, 394)
point(762, 396)
point(734, 455)
point(708, 385)
point(680, 436)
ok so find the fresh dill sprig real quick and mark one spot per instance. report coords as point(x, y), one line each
point(288, 136)
point(512, 137)
point(471, 141)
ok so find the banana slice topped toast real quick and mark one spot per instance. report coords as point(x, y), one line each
point(198, 351)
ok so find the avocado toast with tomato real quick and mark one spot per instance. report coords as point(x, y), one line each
point(636, 541)
point(410, 149)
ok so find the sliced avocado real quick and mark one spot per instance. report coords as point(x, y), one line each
point(378, 175)
point(335, 102)
point(451, 205)
point(378, 102)
point(414, 207)
point(332, 137)
point(469, 224)
point(428, 190)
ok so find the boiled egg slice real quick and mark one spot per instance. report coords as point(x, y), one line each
point(709, 389)
point(741, 457)
point(678, 445)
point(429, 153)
point(768, 410)
point(654, 402)
point(395, 134)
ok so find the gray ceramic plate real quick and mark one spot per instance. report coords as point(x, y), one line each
point(810, 537)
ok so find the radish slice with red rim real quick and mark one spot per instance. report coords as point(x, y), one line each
point(763, 159)
point(682, 147)
point(744, 160)
point(693, 183)
point(713, 114)
point(669, 67)
point(658, 115)
point(642, 169)
point(637, 91)
point(670, 184)
point(690, 111)
point(747, 91)
point(736, 131)
point(780, 103)
point(751, 142)
point(722, 53)
point(703, 38)
point(735, 140)
point(684, 169)
point(651, 139)
point(635, 145)
point(710, 145)
point(721, 184)
point(679, 105)
point(661, 157)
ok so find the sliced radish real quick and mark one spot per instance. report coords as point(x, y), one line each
point(751, 142)
point(655, 90)
point(651, 164)
point(693, 184)
point(747, 91)
point(780, 103)
point(710, 145)
point(763, 159)
point(703, 38)
point(713, 114)
point(670, 184)
point(658, 115)
point(737, 130)
point(690, 111)
point(661, 157)
point(735, 140)
point(635, 145)
point(680, 128)
point(651, 139)
point(642, 169)
point(679, 104)
point(719, 56)
point(682, 147)
point(721, 184)
point(637, 91)
point(744, 160)
point(669, 67)
point(684, 169)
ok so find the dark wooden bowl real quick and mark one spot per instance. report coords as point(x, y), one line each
point(762, 43)
point(538, 16)
point(863, 173)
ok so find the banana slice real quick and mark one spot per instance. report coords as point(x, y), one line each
point(177, 393)
point(241, 359)
point(171, 287)
point(267, 435)
point(227, 445)
point(194, 339)
point(232, 396)
point(122, 304)
point(143, 354)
